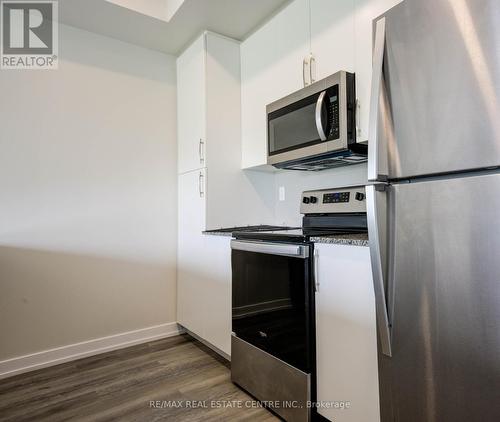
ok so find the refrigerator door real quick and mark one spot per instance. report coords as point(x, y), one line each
point(435, 89)
point(444, 301)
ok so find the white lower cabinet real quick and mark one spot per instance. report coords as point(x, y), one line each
point(217, 277)
point(191, 223)
point(203, 268)
point(346, 335)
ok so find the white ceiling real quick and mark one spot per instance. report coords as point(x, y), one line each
point(233, 18)
point(159, 9)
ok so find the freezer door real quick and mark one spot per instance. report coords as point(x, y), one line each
point(444, 302)
point(435, 107)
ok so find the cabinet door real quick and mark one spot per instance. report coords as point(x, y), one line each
point(366, 11)
point(217, 278)
point(271, 68)
point(191, 107)
point(346, 338)
point(332, 36)
point(191, 292)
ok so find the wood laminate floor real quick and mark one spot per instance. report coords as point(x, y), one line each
point(120, 385)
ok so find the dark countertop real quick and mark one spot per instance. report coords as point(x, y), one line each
point(218, 233)
point(228, 231)
point(353, 239)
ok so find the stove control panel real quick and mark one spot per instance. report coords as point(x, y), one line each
point(339, 200)
point(336, 197)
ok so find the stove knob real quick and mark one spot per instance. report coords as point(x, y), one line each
point(313, 199)
point(360, 196)
point(305, 200)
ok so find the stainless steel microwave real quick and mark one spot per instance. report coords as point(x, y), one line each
point(315, 128)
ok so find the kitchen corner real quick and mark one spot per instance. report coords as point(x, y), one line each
point(250, 210)
point(273, 269)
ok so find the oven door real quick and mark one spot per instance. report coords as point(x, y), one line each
point(273, 299)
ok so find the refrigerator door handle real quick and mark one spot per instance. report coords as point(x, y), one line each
point(376, 223)
point(377, 161)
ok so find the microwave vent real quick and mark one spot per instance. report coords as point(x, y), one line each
point(324, 162)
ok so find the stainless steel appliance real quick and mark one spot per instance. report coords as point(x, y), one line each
point(434, 217)
point(315, 128)
point(273, 319)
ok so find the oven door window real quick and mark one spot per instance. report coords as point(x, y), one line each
point(271, 305)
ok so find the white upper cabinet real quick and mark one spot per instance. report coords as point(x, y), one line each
point(271, 67)
point(272, 62)
point(333, 40)
point(342, 40)
point(191, 107)
point(209, 93)
point(366, 11)
point(338, 33)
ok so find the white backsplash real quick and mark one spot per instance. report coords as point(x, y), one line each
point(295, 182)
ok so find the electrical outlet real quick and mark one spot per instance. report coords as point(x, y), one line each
point(281, 192)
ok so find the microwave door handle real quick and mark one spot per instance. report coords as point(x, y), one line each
point(319, 123)
point(377, 162)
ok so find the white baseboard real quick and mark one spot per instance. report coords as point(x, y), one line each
point(26, 363)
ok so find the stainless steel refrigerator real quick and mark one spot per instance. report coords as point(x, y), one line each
point(434, 209)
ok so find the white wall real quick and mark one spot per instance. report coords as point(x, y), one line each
point(295, 182)
point(87, 195)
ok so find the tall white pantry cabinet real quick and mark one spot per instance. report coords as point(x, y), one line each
point(208, 98)
point(213, 192)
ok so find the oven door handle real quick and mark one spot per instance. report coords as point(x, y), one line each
point(295, 251)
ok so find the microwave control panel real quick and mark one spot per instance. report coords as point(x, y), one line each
point(342, 200)
point(334, 115)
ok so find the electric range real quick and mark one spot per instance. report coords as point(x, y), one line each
point(273, 352)
point(325, 213)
